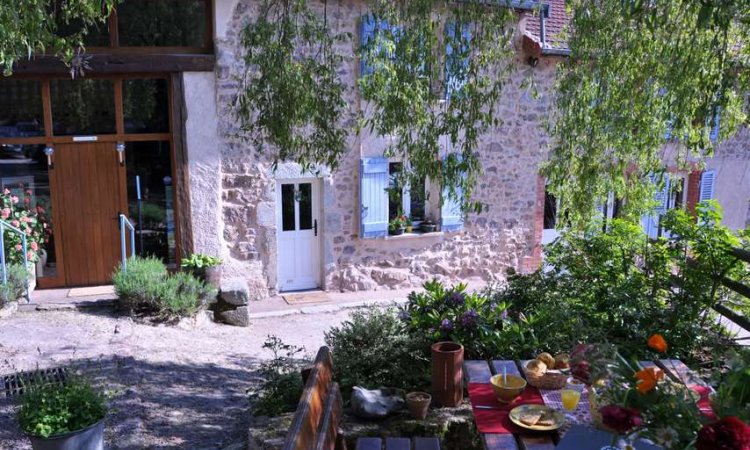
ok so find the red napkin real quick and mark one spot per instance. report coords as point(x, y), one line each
point(704, 403)
point(497, 420)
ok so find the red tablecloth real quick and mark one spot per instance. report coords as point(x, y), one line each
point(497, 420)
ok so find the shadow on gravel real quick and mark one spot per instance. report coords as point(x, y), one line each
point(162, 406)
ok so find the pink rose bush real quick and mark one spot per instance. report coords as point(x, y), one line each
point(30, 218)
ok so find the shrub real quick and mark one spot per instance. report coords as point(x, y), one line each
point(146, 287)
point(180, 294)
point(281, 386)
point(52, 409)
point(373, 348)
point(485, 327)
point(15, 287)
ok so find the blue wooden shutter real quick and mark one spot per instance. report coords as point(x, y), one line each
point(366, 34)
point(456, 67)
point(373, 197)
point(707, 185)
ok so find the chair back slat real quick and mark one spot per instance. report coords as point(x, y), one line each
point(303, 434)
point(329, 424)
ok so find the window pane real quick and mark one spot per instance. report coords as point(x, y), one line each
point(23, 172)
point(145, 106)
point(83, 107)
point(550, 211)
point(305, 206)
point(149, 165)
point(417, 198)
point(97, 34)
point(21, 112)
point(164, 23)
point(395, 192)
point(287, 207)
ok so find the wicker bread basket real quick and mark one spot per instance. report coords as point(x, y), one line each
point(551, 379)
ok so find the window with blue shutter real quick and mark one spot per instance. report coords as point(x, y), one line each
point(707, 185)
point(714, 136)
point(451, 216)
point(651, 221)
point(370, 28)
point(456, 59)
point(373, 197)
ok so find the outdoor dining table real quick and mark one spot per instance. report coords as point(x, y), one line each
point(590, 439)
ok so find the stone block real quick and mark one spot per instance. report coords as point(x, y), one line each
point(235, 292)
point(239, 317)
point(266, 214)
point(8, 310)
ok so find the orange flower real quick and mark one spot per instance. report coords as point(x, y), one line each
point(648, 378)
point(658, 343)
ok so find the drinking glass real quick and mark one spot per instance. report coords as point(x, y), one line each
point(571, 395)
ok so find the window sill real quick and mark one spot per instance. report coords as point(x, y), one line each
point(414, 235)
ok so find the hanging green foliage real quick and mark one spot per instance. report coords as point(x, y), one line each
point(291, 103)
point(432, 75)
point(39, 26)
point(643, 74)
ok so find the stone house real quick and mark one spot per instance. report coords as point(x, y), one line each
point(147, 134)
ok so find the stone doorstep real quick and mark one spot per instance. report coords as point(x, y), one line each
point(68, 306)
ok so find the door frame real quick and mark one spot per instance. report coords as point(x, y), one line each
point(317, 208)
point(173, 136)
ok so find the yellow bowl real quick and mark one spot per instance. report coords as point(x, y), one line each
point(507, 391)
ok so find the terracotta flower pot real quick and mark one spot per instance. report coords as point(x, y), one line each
point(419, 404)
point(447, 373)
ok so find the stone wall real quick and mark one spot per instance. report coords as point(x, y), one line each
point(731, 162)
point(506, 236)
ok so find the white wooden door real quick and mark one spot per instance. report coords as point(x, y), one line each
point(297, 214)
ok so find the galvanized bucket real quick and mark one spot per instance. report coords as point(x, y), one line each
point(91, 438)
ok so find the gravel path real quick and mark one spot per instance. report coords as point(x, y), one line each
point(174, 388)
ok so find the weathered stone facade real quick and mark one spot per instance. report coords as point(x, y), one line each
point(507, 235)
point(731, 162)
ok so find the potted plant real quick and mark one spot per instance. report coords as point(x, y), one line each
point(428, 226)
point(408, 224)
point(204, 267)
point(63, 416)
point(418, 404)
point(397, 226)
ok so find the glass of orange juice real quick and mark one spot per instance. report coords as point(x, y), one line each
point(571, 395)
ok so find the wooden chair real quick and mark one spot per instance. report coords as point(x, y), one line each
point(316, 422)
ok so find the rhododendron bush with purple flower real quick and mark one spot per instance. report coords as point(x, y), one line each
point(483, 326)
point(29, 217)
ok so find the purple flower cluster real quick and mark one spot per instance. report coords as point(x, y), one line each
point(404, 315)
point(455, 298)
point(446, 325)
point(469, 318)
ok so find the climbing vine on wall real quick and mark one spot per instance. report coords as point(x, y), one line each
point(291, 103)
point(643, 74)
point(432, 75)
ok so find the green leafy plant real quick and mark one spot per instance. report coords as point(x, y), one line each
point(399, 222)
point(484, 327)
point(17, 282)
point(281, 386)
point(30, 27)
point(145, 287)
point(292, 98)
point(733, 393)
point(639, 75)
point(52, 409)
point(30, 219)
point(373, 348)
point(200, 261)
